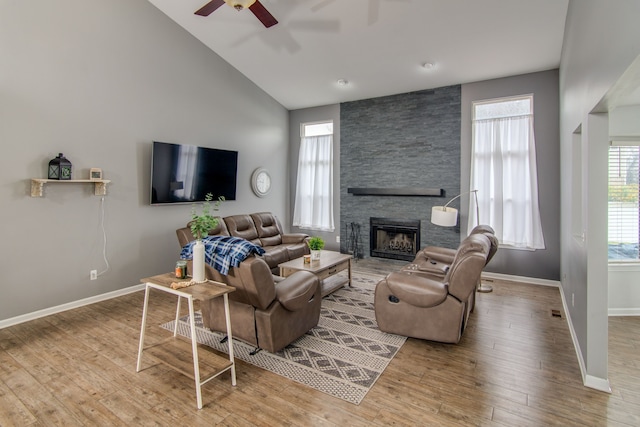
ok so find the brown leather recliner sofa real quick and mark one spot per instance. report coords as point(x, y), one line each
point(433, 305)
point(263, 314)
point(263, 229)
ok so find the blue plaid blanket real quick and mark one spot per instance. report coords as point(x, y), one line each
point(223, 252)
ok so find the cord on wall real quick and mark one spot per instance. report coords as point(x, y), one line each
point(104, 237)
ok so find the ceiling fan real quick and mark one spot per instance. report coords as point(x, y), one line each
point(253, 5)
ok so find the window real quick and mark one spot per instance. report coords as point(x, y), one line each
point(503, 170)
point(623, 203)
point(313, 207)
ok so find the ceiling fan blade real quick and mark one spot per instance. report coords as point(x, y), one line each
point(209, 8)
point(263, 14)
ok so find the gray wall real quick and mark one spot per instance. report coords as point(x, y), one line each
point(427, 136)
point(600, 43)
point(406, 140)
point(99, 80)
point(543, 264)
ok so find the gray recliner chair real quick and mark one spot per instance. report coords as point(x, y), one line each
point(434, 307)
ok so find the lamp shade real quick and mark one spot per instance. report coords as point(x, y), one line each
point(444, 216)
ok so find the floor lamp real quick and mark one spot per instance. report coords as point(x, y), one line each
point(446, 216)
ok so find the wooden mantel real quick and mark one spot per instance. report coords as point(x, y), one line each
point(398, 191)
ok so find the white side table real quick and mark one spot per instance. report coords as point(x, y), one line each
point(200, 367)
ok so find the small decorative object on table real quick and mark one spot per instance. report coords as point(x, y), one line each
point(181, 269)
point(200, 226)
point(306, 259)
point(95, 174)
point(59, 168)
point(180, 285)
point(315, 244)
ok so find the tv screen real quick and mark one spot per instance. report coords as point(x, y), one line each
point(183, 173)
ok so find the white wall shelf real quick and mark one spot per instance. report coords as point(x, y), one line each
point(37, 185)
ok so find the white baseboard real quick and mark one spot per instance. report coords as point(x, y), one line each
point(624, 312)
point(521, 279)
point(597, 383)
point(68, 306)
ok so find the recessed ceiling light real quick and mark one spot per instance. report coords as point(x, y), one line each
point(428, 65)
point(343, 82)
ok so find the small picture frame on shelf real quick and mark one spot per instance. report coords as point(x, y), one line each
point(95, 174)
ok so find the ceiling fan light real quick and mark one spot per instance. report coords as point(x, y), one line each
point(240, 4)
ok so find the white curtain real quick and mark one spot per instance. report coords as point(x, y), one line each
point(503, 170)
point(314, 189)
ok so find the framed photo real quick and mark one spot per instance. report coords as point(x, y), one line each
point(95, 174)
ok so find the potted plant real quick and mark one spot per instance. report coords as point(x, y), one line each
point(315, 244)
point(200, 225)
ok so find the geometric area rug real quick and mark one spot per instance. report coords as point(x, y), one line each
point(342, 356)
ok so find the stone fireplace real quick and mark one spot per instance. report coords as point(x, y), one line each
point(408, 141)
point(394, 238)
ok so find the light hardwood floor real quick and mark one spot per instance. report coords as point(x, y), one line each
point(514, 366)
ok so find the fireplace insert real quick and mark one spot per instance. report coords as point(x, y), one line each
point(394, 238)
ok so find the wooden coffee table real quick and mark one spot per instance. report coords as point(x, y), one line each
point(326, 268)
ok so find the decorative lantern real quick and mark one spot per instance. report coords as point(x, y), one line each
point(60, 168)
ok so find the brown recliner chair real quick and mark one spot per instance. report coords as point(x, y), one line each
point(420, 305)
point(426, 257)
point(436, 260)
point(263, 314)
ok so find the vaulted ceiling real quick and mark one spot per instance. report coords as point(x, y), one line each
point(379, 47)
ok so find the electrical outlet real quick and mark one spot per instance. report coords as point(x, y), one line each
point(337, 239)
point(93, 274)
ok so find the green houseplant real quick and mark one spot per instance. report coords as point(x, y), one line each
point(316, 244)
point(200, 225)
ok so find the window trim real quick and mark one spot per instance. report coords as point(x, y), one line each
point(328, 227)
point(498, 100)
point(319, 122)
point(620, 142)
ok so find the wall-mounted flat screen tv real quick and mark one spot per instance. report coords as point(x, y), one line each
point(183, 173)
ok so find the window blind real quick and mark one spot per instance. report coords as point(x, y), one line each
point(623, 203)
